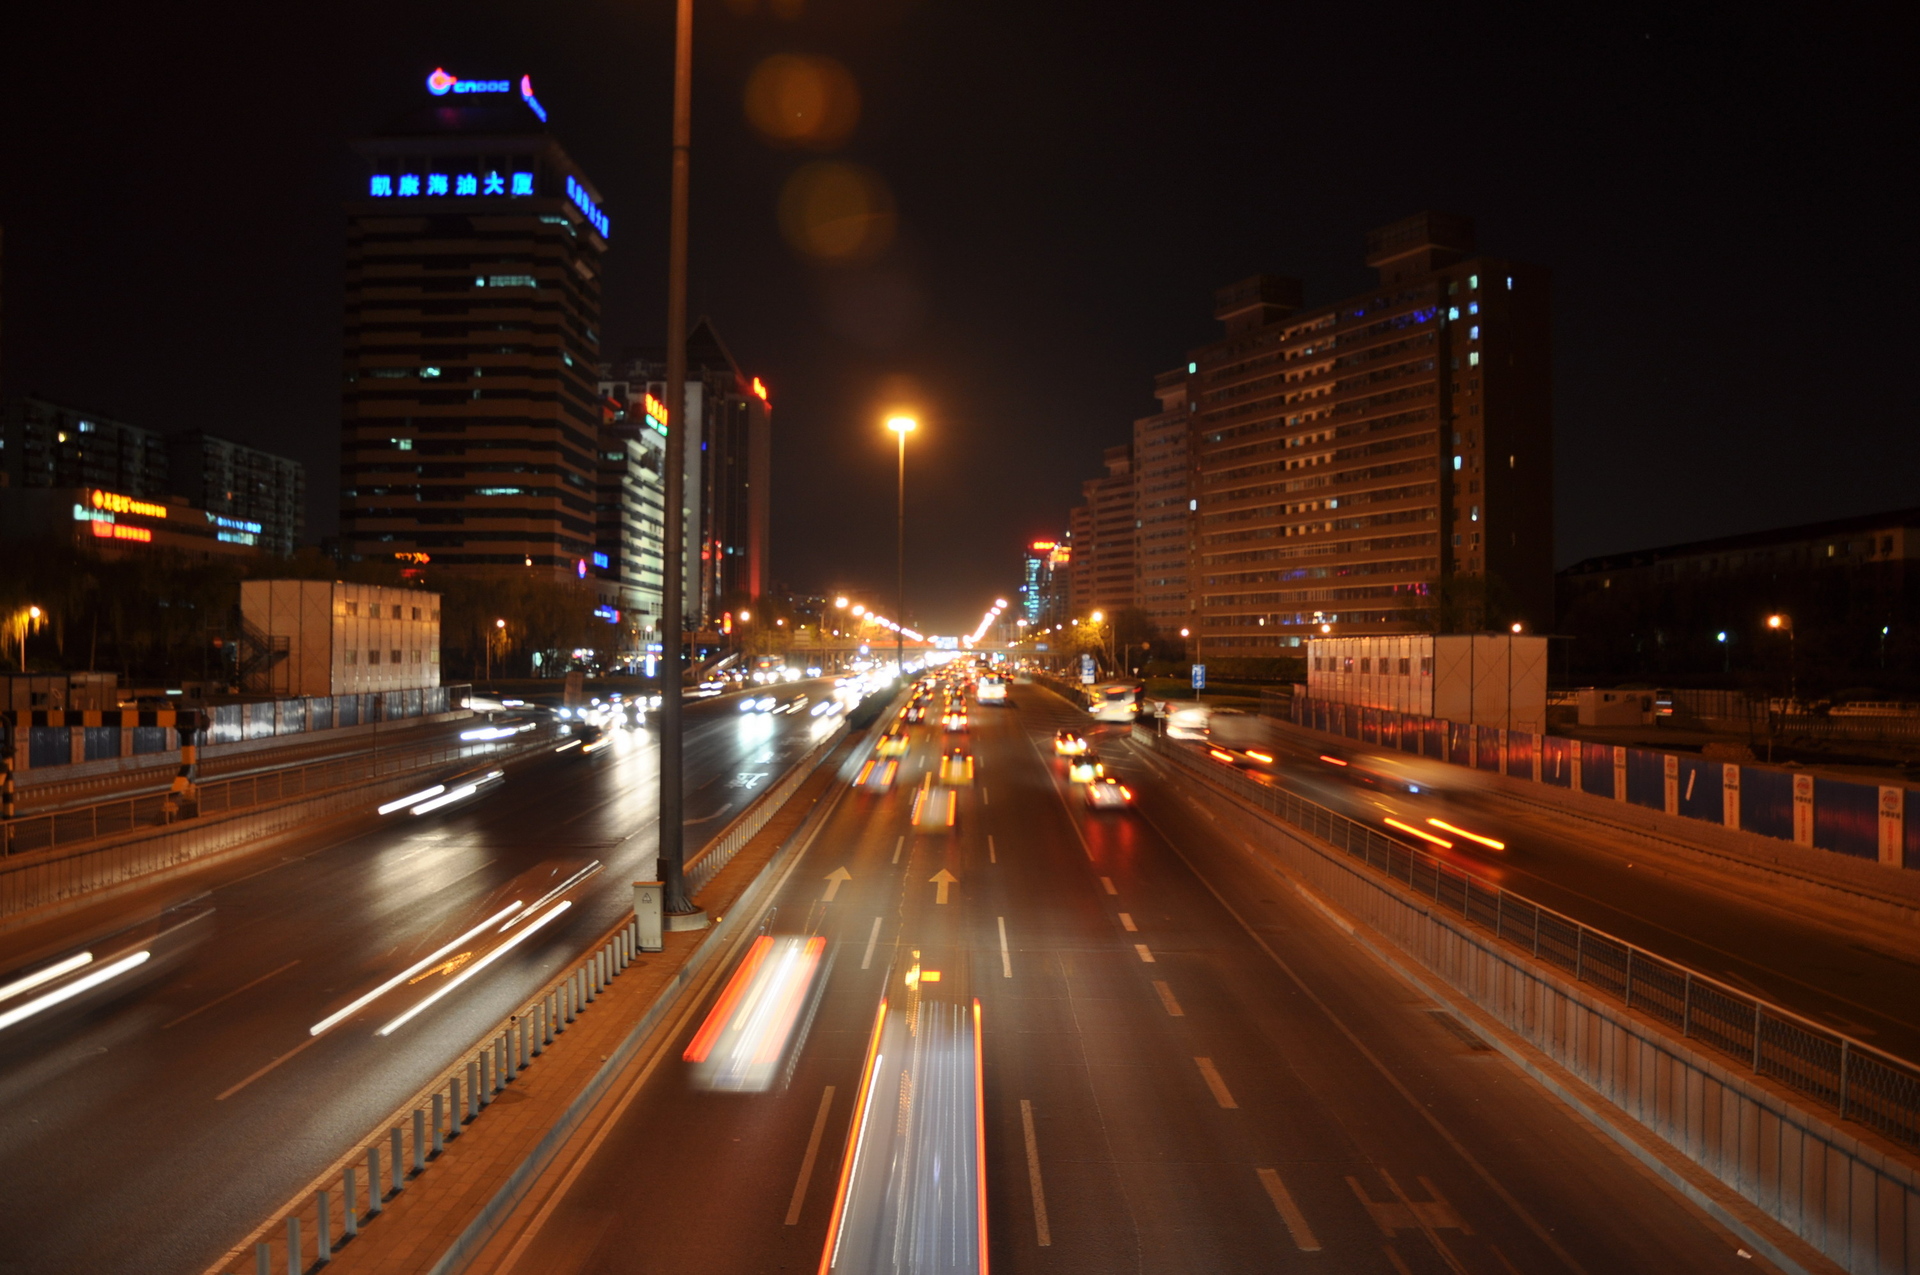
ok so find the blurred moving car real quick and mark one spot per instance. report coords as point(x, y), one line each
point(753, 1037)
point(956, 767)
point(1107, 793)
point(1085, 768)
point(1069, 743)
point(877, 775)
point(956, 721)
point(892, 744)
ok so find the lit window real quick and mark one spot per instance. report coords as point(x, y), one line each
point(1473, 359)
point(402, 444)
point(1473, 333)
point(1453, 312)
point(1192, 368)
point(1475, 515)
point(1473, 307)
point(1509, 283)
point(428, 373)
point(1456, 462)
point(1473, 282)
point(1193, 505)
point(510, 281)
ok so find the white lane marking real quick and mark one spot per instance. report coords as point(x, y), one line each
point(228, 996)
point(806, 1162)
point(983, 796)
point(311, 1040)
point(1145, 954)
point(872, 938)
point(1126, 922)
point(1041, 1230)
point(991, 857)
point(1166, 998)
point(1006, 958)
point(1108, 883)
point(1303, 1238)
point(1211, 1075)
point(899, 845)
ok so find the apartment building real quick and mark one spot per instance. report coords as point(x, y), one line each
point(1164, 506)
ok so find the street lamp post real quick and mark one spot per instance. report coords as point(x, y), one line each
point(901, 426)
point(679, 908)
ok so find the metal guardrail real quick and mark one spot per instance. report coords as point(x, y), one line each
point(79, 824)
point(1848, 1076)
point(746, 825)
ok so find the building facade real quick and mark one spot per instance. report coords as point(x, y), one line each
point(470, 421)
point(1164, 507)
point(1382, 464)
point(50, 445)
point(1044, 583)
point(729, 464)
point(1104, 539)
point(244, 485)
point(1846, 593)
point(326, 637)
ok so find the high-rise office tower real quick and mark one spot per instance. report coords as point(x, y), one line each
point(729, 461)
point(470, 419)
point(1383, 464)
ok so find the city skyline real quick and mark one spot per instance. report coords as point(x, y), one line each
point(1034, 337)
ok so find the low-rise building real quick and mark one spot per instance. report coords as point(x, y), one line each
point(1486, 679)
point(327, 637)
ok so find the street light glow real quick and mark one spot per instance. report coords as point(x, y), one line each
point(902, 424)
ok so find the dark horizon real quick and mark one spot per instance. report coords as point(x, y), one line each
point(1067, 203)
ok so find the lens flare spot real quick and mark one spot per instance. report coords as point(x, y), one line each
point(837, 212)
point(797, 100)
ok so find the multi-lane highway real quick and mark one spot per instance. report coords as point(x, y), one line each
point(1182, 1068)
point(151, 1124)
point(1851, 976)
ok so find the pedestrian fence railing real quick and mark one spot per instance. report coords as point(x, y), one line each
point(108, 818)
point(374, 1176)
point(1846, 1076)
point(719, 852)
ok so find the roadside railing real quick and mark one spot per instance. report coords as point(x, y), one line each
point(1848, 1076)
point(746, 825)
point(79, 824)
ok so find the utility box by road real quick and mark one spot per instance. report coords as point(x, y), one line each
point(646, 913)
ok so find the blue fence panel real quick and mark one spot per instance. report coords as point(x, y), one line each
point(102, 742)
point(1488, 758)
point(1521, 746)
point(1596, 769)
point(49, 746)
point(1433, 736)
point(151, 739)
point(1556, 761)
point(289, 717)
point(1647, 778)
point(226, 724)
point(1702, 788)
point(1369, 725)
point(1766, 802)
point(320, 713)
point(1846, 817)
point(1459, 744)
point(257, 720)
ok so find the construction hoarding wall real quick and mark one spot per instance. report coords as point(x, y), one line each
point(327, 637)
point(1496, 680)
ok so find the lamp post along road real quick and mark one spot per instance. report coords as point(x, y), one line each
point(679, 908)
point(901, 426)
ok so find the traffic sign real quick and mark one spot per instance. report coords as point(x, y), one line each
point(1086, 669)
point(1199, 677)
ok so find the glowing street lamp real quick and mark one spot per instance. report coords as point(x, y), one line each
point(901, 427)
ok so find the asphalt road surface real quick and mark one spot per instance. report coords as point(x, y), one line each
point(150, 1125)
point(1185, 1069)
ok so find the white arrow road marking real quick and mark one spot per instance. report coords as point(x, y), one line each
point(834, 878)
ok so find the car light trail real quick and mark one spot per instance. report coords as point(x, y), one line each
point(47, 975)
point(1424, 836)
point(858, 1136)
point(736, 987)
point(413, 969)
point(1260, 756)
point(1220, 756)
point(412, 799)
point(1331, 761)
point(1489, 842)
point(572, 743)
point(458, 794)
point(49, 999)
point(980, 1137)
point(758, 1019)
point(553, 894)
point(475, 968)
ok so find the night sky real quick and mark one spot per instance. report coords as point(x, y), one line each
point(1715, 193)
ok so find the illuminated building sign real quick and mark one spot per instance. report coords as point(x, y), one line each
point(454, 185)
point(533, 103)
point(609, 614)
point(114, 503)
point(120, 531)
point(600, 561)
point(1044, 546)
point(235, 524)
point(656, 411)
point(417, 559)
point(759, 390)
point(440, 84)
point(584, 202)
point(580, 567)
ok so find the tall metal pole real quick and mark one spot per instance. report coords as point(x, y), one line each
point(675, 901)
point(900, 580)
